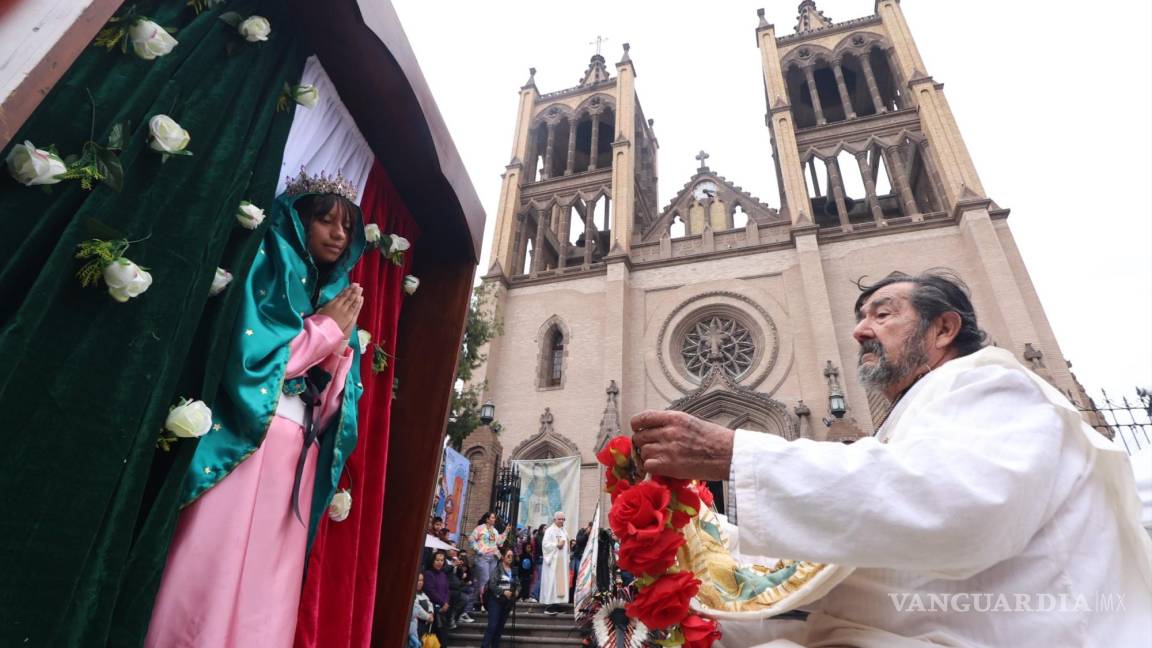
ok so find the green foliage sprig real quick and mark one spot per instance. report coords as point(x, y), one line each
point(99, 253)
point(380, 358)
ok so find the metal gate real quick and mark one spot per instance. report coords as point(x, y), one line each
point(506, 497)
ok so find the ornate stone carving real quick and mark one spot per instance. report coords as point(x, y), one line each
point(546, 443)
point(718, 341)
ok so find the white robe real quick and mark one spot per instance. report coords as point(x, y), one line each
point(554, 571)
point(983, 482)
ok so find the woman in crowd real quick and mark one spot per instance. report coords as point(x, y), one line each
point(464, 591)
point(485, 541)
point(525, 553)
point(422, 614)
point(501, 598)
point(436, 587)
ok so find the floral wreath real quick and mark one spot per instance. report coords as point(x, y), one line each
point(648, 516)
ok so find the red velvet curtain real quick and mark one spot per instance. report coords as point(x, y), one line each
point(340, 586)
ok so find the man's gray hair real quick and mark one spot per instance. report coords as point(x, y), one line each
point(935, 291)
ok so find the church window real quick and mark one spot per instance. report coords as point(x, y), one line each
point(550, 367)
point(718, 340)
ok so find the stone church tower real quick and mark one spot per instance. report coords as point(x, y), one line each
point(716, 303)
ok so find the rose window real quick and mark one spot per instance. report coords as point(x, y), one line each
point(718, 340)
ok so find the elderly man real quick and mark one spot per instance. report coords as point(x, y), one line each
point(983, 513)
point(554, 571)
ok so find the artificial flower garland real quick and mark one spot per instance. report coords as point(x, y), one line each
point(647, 515)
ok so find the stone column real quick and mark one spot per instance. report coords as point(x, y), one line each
point(815, 179)
point(870, 188)
point(562, 234)
point(521, 249)
point(595, 149)
point(568, 168)
point(589, 234)
point(836, 186)
point(899, 180)
point(897, 81)
point(808, 74)
point(838, 72)
point(538, 242)
point(870, 79)
point(548, 152)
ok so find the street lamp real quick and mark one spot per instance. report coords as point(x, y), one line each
point(836, 405)
point(487, 412)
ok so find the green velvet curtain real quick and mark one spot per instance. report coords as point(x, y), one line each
point(87, 503)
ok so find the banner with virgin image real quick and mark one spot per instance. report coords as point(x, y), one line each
point(452, 490)
point(548, 486)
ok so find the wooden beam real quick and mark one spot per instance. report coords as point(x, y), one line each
point(39, 41)
point(430, 334)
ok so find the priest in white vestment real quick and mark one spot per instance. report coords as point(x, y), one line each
point(983, 513)
point(554, 571)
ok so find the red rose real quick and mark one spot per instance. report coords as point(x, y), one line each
point(640, 511)
point(680, 519)
point(613, 485)
point(683, 494)
point(664, 603)
point(699, 632)
point(705, 494)
point(617, 452)
point(652, 557)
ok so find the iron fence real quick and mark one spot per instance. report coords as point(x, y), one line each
point(1124, 421)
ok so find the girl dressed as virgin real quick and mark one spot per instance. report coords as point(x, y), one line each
point(284, 422)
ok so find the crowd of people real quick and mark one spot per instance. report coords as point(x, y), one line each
point(504, 568)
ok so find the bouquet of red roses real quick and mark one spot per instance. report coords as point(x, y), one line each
point(647, 516)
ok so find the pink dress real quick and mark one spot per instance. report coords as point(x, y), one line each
point(236, 565)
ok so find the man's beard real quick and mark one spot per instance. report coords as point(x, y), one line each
point(883, 373)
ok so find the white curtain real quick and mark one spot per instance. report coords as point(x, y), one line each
point(324, 137)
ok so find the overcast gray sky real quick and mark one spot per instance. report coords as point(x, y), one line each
point(1054, 100)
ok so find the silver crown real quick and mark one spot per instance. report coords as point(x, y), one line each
point(320, 184)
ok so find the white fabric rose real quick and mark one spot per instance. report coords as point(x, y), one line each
point(411, 284)
point(189, 420)
point(372, 233)
point(341, 506)
point(398, 244)
point(32, 166)
point(125, 279)
point(220, 282)
point(255, 29)
point(166, 136)
point(364, 338)
point(306, 95)
point(150, 40)
point(249, 215)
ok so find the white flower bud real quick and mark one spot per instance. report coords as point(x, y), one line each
point(250, 216)
point(372, 233)
point(220, 282)
point(32, 166)
point(255, 28)
point(341, 506)
point(398, 244)
point(166, 136)
point(125, 279)
point(364, 338)
point(150, 40)
point(306, 95)
point(190, 420)
point(411, 284)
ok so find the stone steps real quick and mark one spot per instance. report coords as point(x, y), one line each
point(530, 627)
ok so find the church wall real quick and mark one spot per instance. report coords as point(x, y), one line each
point(578, 405)
point(1054, 359)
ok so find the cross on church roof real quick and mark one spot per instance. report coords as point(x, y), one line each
point(600, 40)
point(703, 157)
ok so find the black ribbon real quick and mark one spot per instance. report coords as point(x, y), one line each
point(314, 383)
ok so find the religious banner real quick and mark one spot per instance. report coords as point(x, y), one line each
point(455, 472)
point(586, 577)
point(547, 486)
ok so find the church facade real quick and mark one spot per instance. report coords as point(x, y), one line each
point(717, 303)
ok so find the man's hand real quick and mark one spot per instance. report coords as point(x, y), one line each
point(444, 608)
point(345, 308)
point(675, 444)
